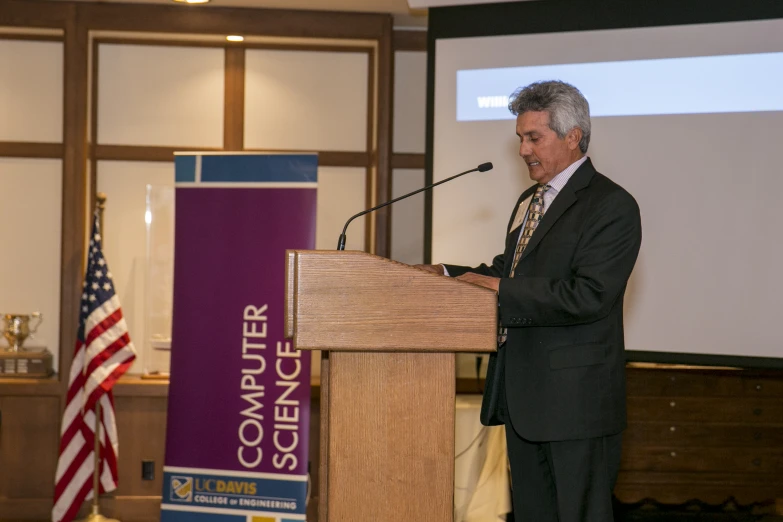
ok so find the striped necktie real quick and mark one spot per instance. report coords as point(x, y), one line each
point(534, 214)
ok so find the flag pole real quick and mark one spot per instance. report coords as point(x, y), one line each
point(95, 515)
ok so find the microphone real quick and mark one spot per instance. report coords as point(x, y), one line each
point(341, 242)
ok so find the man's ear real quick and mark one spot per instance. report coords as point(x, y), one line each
point(573, 138)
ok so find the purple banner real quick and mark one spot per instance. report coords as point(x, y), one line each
point(239, 396)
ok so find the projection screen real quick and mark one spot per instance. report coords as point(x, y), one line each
point(687, 118)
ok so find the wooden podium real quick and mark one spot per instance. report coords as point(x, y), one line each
point(388, 332)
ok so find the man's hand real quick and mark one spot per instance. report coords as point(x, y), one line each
point(435, 269)
point(493, 283)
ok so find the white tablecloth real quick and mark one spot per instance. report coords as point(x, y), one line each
point(481, 479)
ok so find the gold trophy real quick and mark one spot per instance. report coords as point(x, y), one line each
point(17, 328)
point(16, 361)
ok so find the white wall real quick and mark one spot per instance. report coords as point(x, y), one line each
point(30, 264)
point(307, 100)
point(160, 95)
point(410, 97)
point(31, 83)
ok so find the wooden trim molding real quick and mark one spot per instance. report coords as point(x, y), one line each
point(140, 152)
point(234, 99)
point(407, 160)
point(210, 42)
point(329, 158)
point(92, 136)
point(221, 21)
point(74, 187)
point(158, 42)
point(383, 152)
point(36, 387)
point(410, 41)
point(326, 158)
point(370, 178)
point(134, 386)
point(23, 149)
point(293, 46)
point(32, 37)
point(23, 13)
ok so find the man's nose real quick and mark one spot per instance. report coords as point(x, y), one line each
point(524, 149)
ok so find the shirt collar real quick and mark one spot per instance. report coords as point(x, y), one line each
point(559, 181)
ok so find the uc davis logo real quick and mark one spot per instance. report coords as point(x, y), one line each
point(182, 488)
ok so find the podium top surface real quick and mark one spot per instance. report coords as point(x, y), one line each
point(354, 301)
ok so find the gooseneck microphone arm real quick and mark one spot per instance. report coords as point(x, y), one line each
point(341, 242)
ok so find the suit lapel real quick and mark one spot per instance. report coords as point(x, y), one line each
point(567, 197)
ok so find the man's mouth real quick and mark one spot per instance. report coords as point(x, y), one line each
point(533, 163)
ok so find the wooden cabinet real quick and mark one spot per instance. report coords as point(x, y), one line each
point(29, 439)
point(140, 407)
point(703, 434)
point(30, 416)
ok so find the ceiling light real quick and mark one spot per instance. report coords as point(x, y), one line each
point(191, 1)
point(235, 38)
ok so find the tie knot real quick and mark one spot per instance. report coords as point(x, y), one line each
point(538, 197)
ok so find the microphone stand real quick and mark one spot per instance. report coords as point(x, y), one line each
point(341, 242)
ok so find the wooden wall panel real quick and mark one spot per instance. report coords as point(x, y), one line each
point(674, 434)
point(699, 383)
point(712, 436)
point(141, 427)
point(710, 494)
point(692, 458)
point(29, 439)
point(706, 409)
point(128, 509)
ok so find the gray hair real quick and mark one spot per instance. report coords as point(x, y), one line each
point(567, 107)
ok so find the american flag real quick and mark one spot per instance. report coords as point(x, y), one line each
point(103, 353)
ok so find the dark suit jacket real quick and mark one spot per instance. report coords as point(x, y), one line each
point(565, 361)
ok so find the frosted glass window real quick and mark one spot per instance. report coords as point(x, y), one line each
point(407, 236)
point(410, 101)
point(341, 194)
point(31, 91)
point(306, 100)
point(160, 95)
point(30, 265)
point(125, 233)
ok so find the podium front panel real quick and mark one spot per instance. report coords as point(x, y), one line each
point(390, 437)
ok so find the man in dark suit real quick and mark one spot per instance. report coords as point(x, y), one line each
point(558, 380)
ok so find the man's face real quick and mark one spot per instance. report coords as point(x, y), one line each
point(546, 155)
